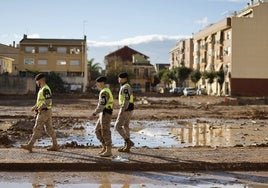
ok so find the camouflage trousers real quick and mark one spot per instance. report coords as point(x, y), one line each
point(103, 129)
point(43, 120)
point(122, 123)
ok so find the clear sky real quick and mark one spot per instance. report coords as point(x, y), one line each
point(110, 23)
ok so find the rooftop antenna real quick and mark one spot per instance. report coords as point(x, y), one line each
point(84, 25)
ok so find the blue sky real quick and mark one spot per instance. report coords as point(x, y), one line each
point(110, 24)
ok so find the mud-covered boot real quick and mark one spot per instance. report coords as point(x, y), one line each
point(108, 152)
point(53, 148)
point(103, 150)
point(122, 148)
point(128, 146)
point(27, 147)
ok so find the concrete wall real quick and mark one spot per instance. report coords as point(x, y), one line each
point(10, 85)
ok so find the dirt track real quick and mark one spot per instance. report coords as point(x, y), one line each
point(72, 109)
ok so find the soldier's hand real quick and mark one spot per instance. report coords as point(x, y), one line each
point(94, 114)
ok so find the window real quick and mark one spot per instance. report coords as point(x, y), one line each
point(228, 36)
point(42, 50)
point(42, 62)
point(74, 62)
point(61, 62)
point(74, 51)
point(196, 60)
point(30, 49)
point(229, 51)
point(146, 73)
point(196, 47)
point(136, 72)
point(61, 50)
point(28, 61)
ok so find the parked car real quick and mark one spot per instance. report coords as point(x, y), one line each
point(189, 91)
point(201, 91)
point(176, 90)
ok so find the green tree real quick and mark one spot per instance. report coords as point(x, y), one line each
point(210, 77)
point(182, 73)
point(195, 76)
point(94, 69)
point(166, 76)
point(155, 80)
point(220, 78)
point(55, 83)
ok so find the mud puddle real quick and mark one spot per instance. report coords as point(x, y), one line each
point(133, 179)
point(171, 134)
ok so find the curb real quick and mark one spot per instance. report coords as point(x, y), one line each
point(123, 166)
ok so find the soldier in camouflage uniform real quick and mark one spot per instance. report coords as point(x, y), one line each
point(44, 115)
point(105, 110)
point(126, 102)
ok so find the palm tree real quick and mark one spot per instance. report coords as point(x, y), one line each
point(94, 69)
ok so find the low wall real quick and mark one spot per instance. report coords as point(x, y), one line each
point(10, 85)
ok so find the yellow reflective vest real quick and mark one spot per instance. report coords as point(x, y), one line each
point(125, 94)
point(44, 93)
point(109, 103)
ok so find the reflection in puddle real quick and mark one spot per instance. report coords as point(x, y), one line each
point(166, 134)
point(132, 179)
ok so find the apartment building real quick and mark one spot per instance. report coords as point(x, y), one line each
point(182, 54)
point(130, 60)
point(238, 46)
point(65, 57)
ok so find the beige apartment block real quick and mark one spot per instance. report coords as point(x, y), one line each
point(237, 45)
point(65, 57)
point(182, 54)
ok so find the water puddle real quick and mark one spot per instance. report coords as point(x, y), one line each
point(172, 134)
point(133, 179)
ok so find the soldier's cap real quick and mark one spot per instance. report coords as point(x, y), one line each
point(101, 79)
point(123, 75)
point(39, 76)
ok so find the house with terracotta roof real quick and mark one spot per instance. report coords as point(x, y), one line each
point(135, 63)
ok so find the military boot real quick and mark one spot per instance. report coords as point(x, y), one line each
point(122, 148)
point(27, 147)
point(128, 146)
point(103, 149)
point(55, 146)
point(108, 152)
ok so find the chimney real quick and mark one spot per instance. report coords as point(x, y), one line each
point(13, 44)
point(24, 36)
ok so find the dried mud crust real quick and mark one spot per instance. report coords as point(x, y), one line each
point(68, 111)
point(73, 109)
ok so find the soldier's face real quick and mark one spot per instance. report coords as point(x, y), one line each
point(37, 83)
point(121, 80)
point(99, 85)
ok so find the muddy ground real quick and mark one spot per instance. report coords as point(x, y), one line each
point(16, 119)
